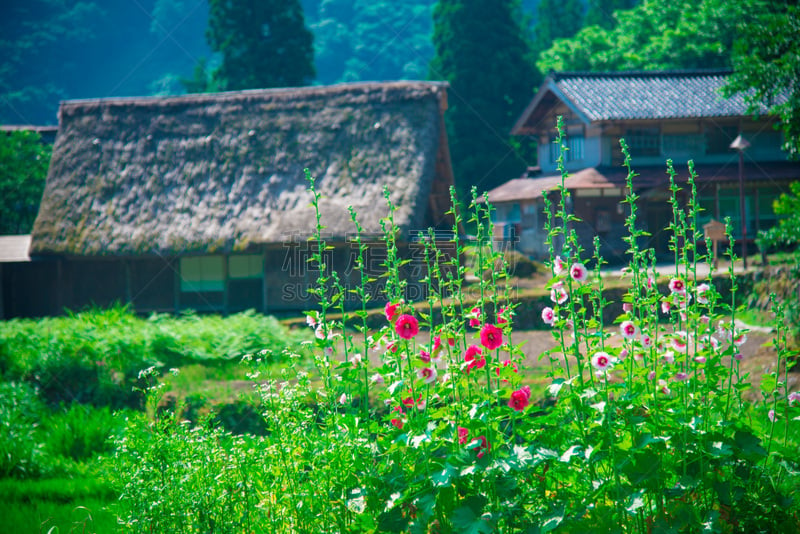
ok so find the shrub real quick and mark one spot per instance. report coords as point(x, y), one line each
point(79, 432)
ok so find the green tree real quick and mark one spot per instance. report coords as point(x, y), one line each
point(557, 19)
point(601, 12)
point(654, 35)
point(491, 80)
point(766, 63)
point(263, 44)
point(23, 170)
point(36, 41)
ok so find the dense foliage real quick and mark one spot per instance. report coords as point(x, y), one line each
point(55, 50)
point(654, 35)
point(95, 356)
point(644, 428)
point(492, 80)
point(23, 170)
point(262, 44)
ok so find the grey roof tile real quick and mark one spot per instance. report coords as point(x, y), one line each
point(650, 94)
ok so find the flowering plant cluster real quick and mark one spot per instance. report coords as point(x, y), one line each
point(431, 423)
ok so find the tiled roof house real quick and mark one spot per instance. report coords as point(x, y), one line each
point(678, 115)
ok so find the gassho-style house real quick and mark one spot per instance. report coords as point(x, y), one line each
point(679, 115)
point(201, 201)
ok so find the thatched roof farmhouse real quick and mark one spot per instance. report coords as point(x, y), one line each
point(190, 201)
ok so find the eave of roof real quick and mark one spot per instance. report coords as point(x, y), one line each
point(14, 248)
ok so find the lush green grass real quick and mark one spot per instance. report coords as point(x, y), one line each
point(56, 505)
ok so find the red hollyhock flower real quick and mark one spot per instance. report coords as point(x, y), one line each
point(390, 310)
point(520, 399)
point(472, 355)
point(406, 326)
point(475, 317)
point(491, 336)
point(463, 434)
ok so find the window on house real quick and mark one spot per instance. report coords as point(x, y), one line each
point(202, 274)
point(643, 141)
point(574, 145)
point(690, 144)
point(245, 266)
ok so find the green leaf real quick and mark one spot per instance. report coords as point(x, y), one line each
point(445, 476)
point(572, 451)
point(635, 502)
point(553, 519)
point(469, 519)
point(749, 445)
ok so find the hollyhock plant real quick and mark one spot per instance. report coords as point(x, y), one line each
point(578, 272)
point(491, 336)
point(520, 399)
point(483, 445)
point(474, 358)
point(390, 310)
point(677, 286)
point(504, 315)
point(559, 266)
point(702, 293)
point(548, 316)
point(424, 356)
point(679, 342)
point(601, 361)
point(629, 330)
point(406, 326)
point(427, 374)
point(558, 294)
point(474, 317)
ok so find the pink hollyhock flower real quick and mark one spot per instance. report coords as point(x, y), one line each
point(669, 357)
point(627, 307)
point(558, 294)
point(676, 285)
point(398, 421)
point(623, 354)
point(424, 356)
point(427, 375)
point(647, 341)
point(437, 345)
point(328, 351)
point(451, 341)
point(377, 379)
point(629, 330)
point(665, 306)
point(559, 267)
point(474, 317)
point(342, 398)
point(680, 377)
point(679, 342)
point(491, 336)
point(471, 357)
point(793, 397)
point(771, 415)
point(601, 361)
point(483, 447)
point(664, 387)
point(650, 282)
point(651, 375)
point(740, 339)
point(390, 310)
point(520, 399)
point(702, 293)
point(502, 317)
point(700, 359)
point(738, 356)
point(406, 326)
point(548, 316)
point(705, 319)
point(311, 321)
point(409, 402)
point(463, 434)
point(579, 273)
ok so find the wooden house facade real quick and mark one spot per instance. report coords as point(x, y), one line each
point(201, 202)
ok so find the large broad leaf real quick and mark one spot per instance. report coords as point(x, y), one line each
point(469, 518)
point(750, 445)
point(553, 519)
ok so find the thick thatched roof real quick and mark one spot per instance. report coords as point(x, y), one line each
point(224, 172)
